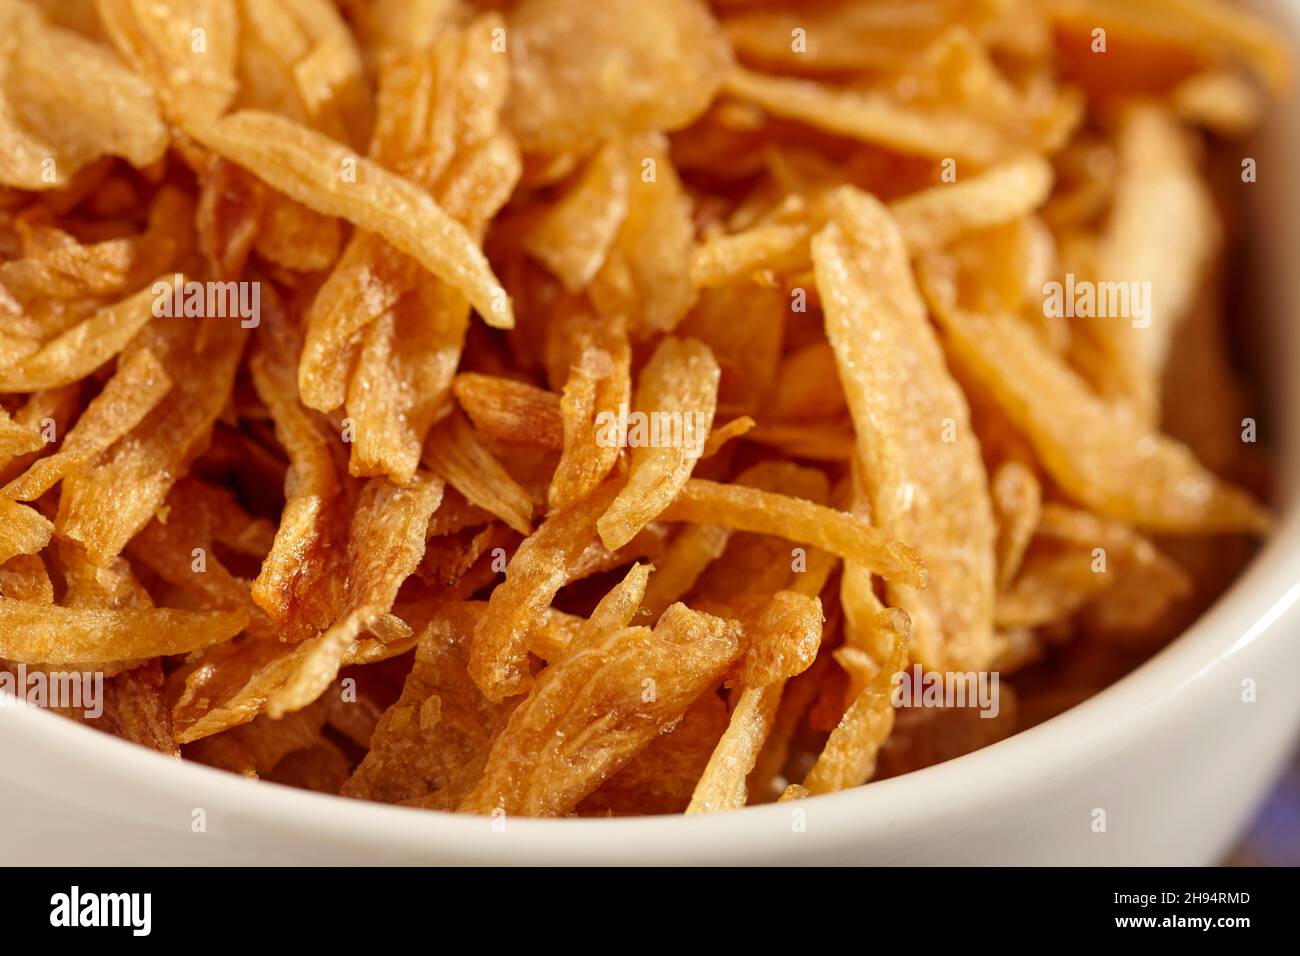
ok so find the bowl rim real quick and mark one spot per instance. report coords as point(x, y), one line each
point(1263, 596)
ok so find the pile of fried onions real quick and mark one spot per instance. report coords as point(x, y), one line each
point(558, 407)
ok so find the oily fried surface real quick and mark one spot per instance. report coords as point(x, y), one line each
point(549, 408)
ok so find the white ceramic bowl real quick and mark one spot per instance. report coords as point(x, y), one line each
point(1171, 753)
